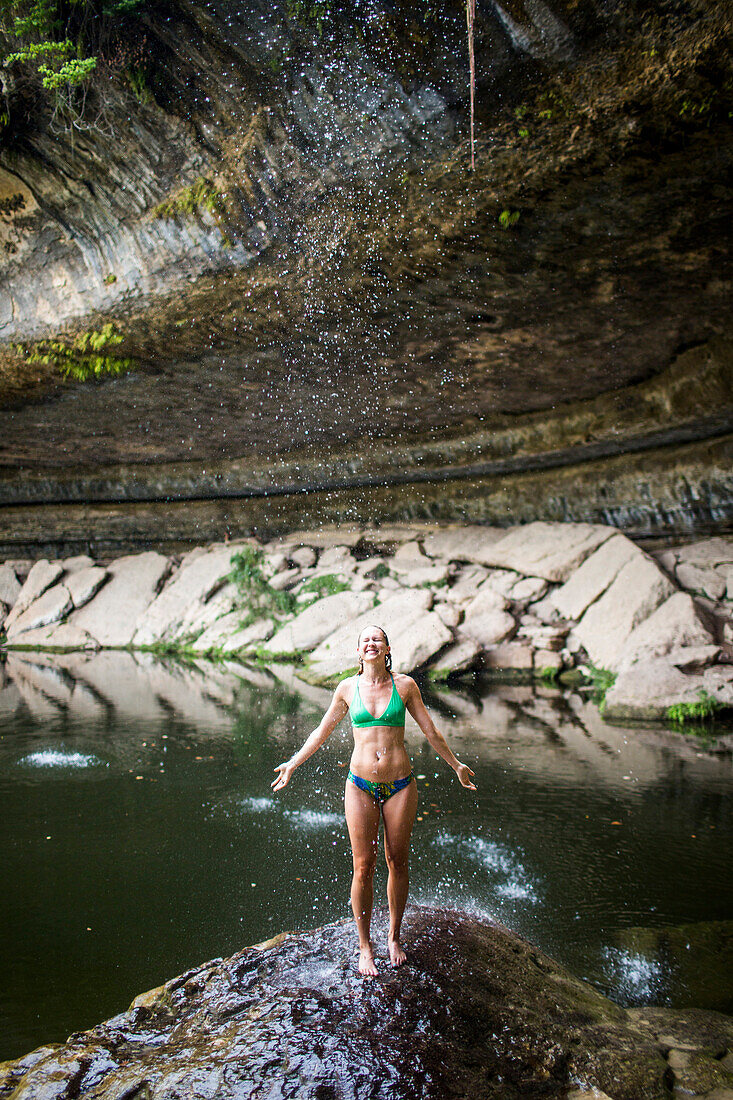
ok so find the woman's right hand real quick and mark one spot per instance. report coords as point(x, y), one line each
point(284, 773)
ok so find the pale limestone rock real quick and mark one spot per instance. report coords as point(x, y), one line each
point(718, 682)
point(467, 584)
point(546, 637)
point(707, 582)
point(51, 607)
point(304, 557)
point(693, 658)
point(198, 616)
point(462, 655)
point(417, 574)
point(549, 550)
point(594, 576)
point(4, 609)
point(275, 563)
point(322, 538)
point(21, 567)
point(249, 636)
point(509, 655)
point(409, 552)
point(84, 583)
point(367, 567)
point(667, 559)
point(400, 615)
point(707, 553)
point(502, 581)
point(42, 575)
point(638, 590)
point(112, 616)
point(9, 585)
point(217, 632)
point(281, 581)
point(449, 614)
point(674, 624)
point(486, 620)
point(647, 689)
point(198, 578)
point(528, 590)
point(548, 659)
point(545, 610)
point(80, 561)
point(313, 625)
point(461, 543)
point(336, 558)
point(59, 636)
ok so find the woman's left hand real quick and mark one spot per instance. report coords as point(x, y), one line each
point(465, 774)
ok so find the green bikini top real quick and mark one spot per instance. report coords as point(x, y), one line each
point(394, 715)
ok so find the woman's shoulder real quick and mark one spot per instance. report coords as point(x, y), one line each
point(346, 687)
point(404, 683)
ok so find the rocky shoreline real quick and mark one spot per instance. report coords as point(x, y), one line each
point(542, 600)
point(478, 1011)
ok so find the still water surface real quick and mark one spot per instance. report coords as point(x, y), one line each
point(139, 835)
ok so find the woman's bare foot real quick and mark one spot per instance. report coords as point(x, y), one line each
point(367, 966)
point(396, 955)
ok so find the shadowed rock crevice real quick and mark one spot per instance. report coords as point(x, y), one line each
point(476, 1012)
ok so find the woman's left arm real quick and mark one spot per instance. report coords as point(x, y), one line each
point(436, 740)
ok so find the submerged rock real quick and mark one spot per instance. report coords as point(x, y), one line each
point(477, 1012)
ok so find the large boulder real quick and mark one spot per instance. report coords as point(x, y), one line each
point(477, 1012)
point(645, 691)
point(549, 550)
point(594, 576)
point(42, 575)
point(53, 606)
point(416, 634)
point(638, 590)
point(314, 625)
point(467, 543)
point(196, 580)
point(111, 617)
point(84, 582)
point(9, 585)
point(675, 624)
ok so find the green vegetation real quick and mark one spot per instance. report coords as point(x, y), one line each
point(311, 13)
point(326, 585)
point(82, 357)
point(704, 710)
point(259, 600)
point(549, 675)
point(601, 681)
point(51, 49)
point(200, 195)
point(380, 571)
point(508, 218)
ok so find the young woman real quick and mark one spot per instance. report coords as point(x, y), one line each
point(380, 781)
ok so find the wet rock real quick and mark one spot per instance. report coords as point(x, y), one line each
point(9, 585)
point(647, 689)
point(549, 550)
point(53, 606)
point(593, 577)
point(112, 616)
point(638, 590)
point(84, 582)
point(42, 575)
point(675, 624)
point(197, 579)
point(318, 621)
point(477, 1011)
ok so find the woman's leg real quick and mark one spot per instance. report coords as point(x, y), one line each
point(362, 818)
point(399, 814)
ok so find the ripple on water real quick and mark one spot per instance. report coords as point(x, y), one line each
point(498, 860)
point(57, 758)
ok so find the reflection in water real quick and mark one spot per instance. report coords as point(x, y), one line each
point(140, 836)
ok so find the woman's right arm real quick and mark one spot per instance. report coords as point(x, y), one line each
point(337, 710)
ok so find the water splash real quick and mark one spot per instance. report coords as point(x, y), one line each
point(315, 819)
point(635, 979)
point(57, 758)
point(498, 860)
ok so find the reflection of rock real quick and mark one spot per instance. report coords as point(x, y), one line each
point(478, 1012)
point(700, 957)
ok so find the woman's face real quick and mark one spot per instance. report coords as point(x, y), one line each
point(372, 645)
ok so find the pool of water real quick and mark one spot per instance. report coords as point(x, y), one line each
point(140, 837)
